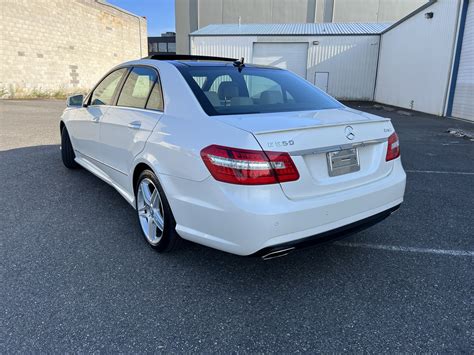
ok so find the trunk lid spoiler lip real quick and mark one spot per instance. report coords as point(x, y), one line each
point(322, 125)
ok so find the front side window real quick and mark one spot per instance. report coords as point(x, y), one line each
point(137, 87)
point(103, 94)
point(224, 90)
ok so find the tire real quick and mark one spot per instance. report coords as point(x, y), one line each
point(67, 153)
point(162, 237)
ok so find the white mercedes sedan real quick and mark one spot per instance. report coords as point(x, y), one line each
point(242, 158)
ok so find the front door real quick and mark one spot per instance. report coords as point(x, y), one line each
point(84, 124)
point(126, 127)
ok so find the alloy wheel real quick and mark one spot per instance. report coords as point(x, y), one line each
point(150, 211)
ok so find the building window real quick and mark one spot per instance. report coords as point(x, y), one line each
point(162, 47)
point(171, 47)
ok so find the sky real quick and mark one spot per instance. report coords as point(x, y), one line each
point(159, 13)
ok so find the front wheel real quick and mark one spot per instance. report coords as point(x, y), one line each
point(154, 214)
point(67, 153)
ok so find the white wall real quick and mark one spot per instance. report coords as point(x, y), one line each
point(351, 61)
point(415, 60)
point(220, 46)
point(463, 101)
point(63, 46)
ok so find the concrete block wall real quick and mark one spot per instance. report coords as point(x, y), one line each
point(50, 47)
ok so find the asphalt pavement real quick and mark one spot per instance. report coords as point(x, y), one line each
point(77, 276)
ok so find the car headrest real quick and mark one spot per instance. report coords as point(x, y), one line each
point(227, 90)
point(271, 97)
point(241, 101)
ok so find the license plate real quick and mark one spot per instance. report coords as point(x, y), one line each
point(343, 162)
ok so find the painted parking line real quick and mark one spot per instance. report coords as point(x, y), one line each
point(439, 172)
point(407, 249)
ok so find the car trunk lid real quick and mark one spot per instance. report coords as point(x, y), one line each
point(333, 150)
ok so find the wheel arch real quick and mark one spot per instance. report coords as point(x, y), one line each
point(138, 169)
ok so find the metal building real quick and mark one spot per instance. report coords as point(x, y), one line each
point(341, 59)
point(426, 60)
point(192, 15)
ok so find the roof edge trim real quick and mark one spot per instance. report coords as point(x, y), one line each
point(410, 15)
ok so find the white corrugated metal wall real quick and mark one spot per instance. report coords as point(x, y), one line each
point(223, 46)
point(463, 103)
point(415, 60)
point(350, 61)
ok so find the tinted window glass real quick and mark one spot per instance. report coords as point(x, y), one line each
point(104, 92)
point(137, 87)
point(155, 102)
point(256, 85)
point(253, 90)
point(200, 80)
point(216, 82)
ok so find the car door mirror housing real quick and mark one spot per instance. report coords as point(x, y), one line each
point(75, 101)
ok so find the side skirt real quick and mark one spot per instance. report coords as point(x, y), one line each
point(92, 168)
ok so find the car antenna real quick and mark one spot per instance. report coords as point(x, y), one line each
point(239, 64)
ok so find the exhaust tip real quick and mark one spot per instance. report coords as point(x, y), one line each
point(277, 253)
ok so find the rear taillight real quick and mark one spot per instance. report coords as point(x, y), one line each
point(393, 149)
point(248, 167)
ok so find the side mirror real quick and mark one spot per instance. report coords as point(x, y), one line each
point(75, 101)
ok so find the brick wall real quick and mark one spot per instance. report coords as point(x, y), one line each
point(63, 46)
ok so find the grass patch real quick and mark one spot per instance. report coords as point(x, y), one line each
point(13, 92)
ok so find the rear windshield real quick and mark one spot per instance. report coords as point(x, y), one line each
point(223, 90)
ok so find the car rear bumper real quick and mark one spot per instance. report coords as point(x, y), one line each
point(245, 220)
point(329, 236)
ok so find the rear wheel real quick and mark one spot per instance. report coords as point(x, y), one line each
point(154, 214)
point(67, 153)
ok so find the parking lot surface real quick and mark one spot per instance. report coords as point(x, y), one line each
point(77, 275)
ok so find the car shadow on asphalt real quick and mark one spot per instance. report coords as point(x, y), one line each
point(75, 202)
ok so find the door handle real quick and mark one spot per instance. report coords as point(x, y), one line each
point(135, 125)
point(96, 119)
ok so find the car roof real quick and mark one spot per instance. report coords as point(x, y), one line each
point(202, 61)
point(215, 64)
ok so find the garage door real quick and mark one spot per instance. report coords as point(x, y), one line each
point(463, 104)
point(291, 56)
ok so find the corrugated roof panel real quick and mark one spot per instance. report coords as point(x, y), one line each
point(292, 29)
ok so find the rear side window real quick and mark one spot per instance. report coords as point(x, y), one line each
point(155, 102)
point(103, 94)
point(137, 87)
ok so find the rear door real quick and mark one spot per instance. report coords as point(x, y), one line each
point(127, 126)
